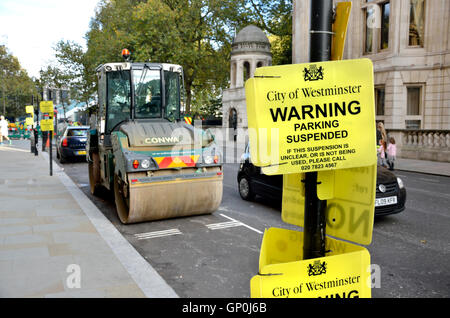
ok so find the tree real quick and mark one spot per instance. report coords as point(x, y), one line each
point(77, 69)
point(16, 87)
point(196, 34)
point(275, 17)
point(54, 77)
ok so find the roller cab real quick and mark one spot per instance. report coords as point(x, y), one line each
point(157, 166)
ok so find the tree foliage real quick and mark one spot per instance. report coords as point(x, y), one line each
point(16, 87)
point(275, 17)
point(78, 69)
point(196, 34)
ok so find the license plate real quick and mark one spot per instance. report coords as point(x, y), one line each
point(385, 201)
point(81, 152)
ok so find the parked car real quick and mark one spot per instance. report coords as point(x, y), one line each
point(72, 143)
point(390, 190)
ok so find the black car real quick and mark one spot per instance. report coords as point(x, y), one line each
point(390, 192)
point(72, 143)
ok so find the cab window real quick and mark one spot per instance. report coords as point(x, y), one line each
point(118, 98)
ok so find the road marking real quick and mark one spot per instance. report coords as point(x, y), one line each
point(149, 235)
point(242, 224)
point(223, 225)
point(429, 192)
point(429, 180)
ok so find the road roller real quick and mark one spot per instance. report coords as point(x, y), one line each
point(157, 166)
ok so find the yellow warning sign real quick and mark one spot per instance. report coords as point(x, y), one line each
point(29, 121)
point(350, 195)
point(343, 273)
point(46, 125)
point(46, 107)
point(29, 109)
point(312, 117)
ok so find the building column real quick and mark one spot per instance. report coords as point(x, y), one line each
point(300, 31)
point(239, 73)
point(252, 67)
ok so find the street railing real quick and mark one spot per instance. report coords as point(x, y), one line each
point(425, 144)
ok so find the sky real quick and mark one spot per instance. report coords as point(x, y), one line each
point(30, 29)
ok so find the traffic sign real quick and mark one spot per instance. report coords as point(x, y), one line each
point(350, 195)
point(29, 121)
point(29, 109)
point(47, 125)
point(343, 273)
point(46, 107)
point(312, 117)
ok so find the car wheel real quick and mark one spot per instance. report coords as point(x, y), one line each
point(61, 159)
point(245, 189)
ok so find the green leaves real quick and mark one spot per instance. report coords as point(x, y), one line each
point(16, 88)
point(196, 34)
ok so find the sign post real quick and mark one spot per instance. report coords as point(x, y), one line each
point(319, 50)
point(47, 125)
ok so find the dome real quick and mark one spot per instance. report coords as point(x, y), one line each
point(250, 33)
point(250, 39)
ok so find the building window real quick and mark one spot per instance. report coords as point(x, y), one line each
point(379, 100)
point(413, 107)
point(376, 26)
point(233, 74)
point(412, 124)
point(413, 104)
point(246, 70)
point(368, 34)
point(416, 22)
point(384, 38)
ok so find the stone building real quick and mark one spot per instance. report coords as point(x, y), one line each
point(250, 49)
point(409, 44)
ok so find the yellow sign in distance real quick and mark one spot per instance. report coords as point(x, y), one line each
point(46, 107)
point(340, 23)
point(312, 117)
point(46, 125)
point(29, 121)
point(29, 109)
point(344, 272)
point(350, 195)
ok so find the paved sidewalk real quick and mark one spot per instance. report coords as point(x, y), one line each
point(423, 166)
point(50, 232)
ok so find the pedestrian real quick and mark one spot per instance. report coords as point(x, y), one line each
point(3, 130)
point(381, 132)
point(392, 153)
point(382, 153)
